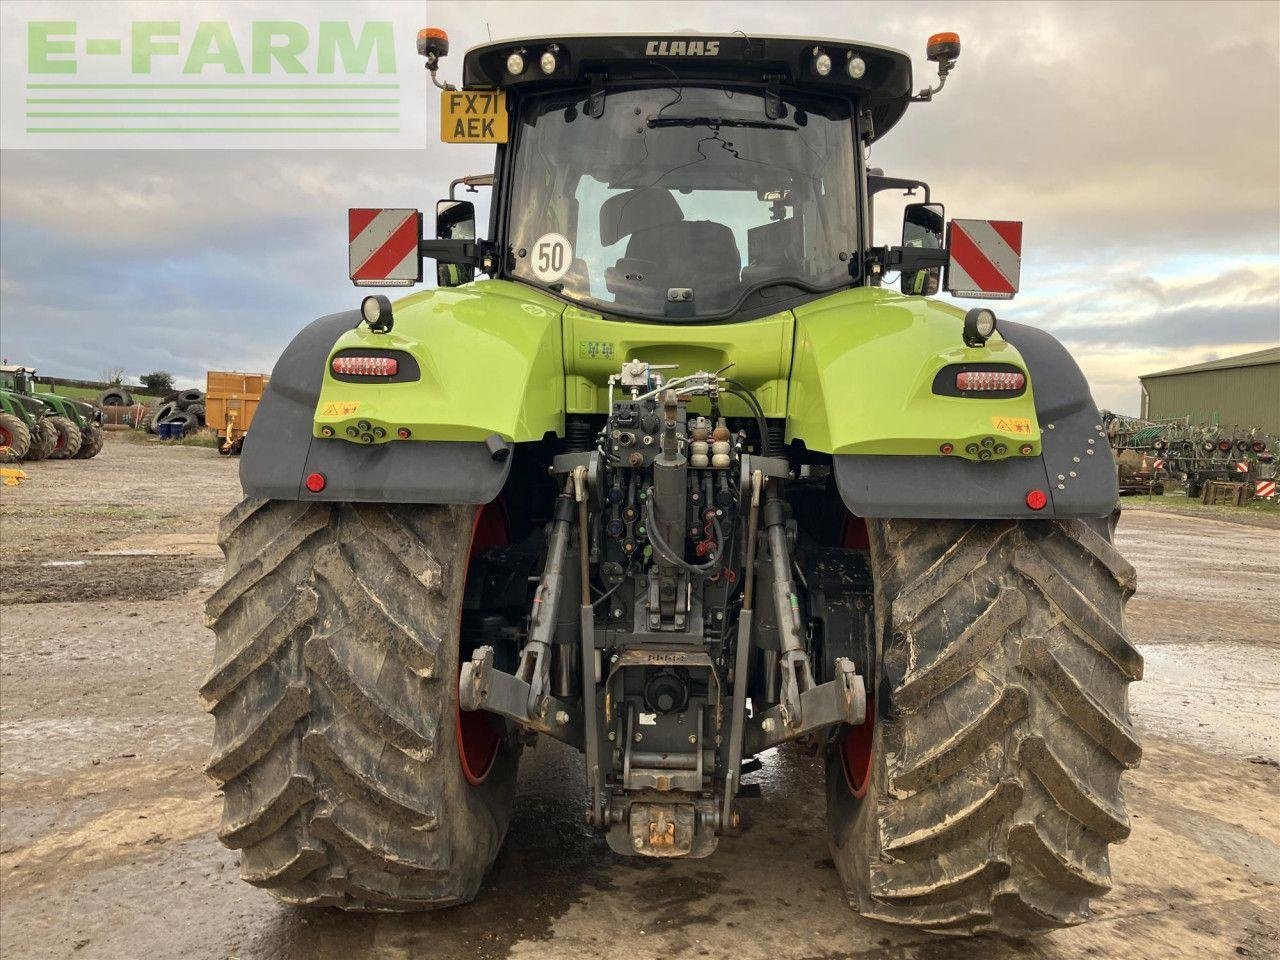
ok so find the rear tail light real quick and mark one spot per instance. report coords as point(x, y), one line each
point(990, 380)
point(366, 366)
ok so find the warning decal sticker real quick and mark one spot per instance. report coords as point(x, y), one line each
point(1020, 425)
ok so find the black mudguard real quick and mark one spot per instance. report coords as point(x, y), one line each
point(280, 452)
point(1076, 467)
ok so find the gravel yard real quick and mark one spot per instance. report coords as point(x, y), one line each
point(107, 845)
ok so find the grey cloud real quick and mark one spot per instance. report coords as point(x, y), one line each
point(1124, 134)
point(1181, 327)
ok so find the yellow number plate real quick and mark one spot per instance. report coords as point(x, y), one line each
point(473, 116)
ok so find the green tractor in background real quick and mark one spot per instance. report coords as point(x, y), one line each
point(680, 480)
point(25, 433)
point(68, 429)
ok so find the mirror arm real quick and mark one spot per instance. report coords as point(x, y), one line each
point(451, 251)
point(879, 182)
point(910, 259)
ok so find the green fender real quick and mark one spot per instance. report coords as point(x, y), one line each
point(862, 381)
point(77, 411)
point(489, 361)
point(863, 388)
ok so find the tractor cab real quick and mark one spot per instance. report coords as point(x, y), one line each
point(675, 179)
point(18, 379)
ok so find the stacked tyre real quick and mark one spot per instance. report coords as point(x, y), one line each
point(115, 397)
point(185, 407)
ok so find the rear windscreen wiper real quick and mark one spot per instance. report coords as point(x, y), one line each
point(718, 122)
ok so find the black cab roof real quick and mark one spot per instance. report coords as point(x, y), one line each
point(884, 86)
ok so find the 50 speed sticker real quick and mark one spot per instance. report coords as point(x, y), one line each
point(551, 257)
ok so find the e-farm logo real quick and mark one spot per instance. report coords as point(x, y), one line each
point(96, 75)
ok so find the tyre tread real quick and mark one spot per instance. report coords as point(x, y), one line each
point(1005, 727)
point(333, 627)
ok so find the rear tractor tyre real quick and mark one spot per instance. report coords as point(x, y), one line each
point(91, 439)
point(15, 438)
point(68, 442)
point(43, 439)
point(991, 788)
point(350, 777)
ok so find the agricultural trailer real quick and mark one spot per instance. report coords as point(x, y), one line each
point(231, 400)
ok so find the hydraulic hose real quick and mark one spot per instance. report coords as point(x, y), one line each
point(662, 548)
point(746, 396)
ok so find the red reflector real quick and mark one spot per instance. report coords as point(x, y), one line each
point(989, 380)
point(1224, 445)
point(315, 482)
point(366, 366)
point(1036, 499)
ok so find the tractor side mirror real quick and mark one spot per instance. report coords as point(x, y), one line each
point(923, 228)
point(455, 220)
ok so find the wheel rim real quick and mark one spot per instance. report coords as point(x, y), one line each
point(857, 750)
point(60, 442)
point(857, 744)
point(5, 439)
point(479, 732)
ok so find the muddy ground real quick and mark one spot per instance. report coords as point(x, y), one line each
point(107, 847)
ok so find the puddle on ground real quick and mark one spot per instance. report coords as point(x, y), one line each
point(1224, 696)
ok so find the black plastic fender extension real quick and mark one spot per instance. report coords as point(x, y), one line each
point(280, 452)
point(1076, 468)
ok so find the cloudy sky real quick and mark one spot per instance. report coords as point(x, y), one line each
point(1139, 142)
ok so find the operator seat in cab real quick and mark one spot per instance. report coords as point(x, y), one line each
point(665, 251)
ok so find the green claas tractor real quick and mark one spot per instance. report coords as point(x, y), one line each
point(664, 469)
point(70, 429)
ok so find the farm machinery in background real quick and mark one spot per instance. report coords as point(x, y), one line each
point(1151, 454)
point(226, 407)
point(36, 425)
point(231, 401)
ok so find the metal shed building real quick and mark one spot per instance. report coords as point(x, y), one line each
point(1239, 391)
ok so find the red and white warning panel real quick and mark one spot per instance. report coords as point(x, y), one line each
point(383, 249)
point(1265, 488)
point(986, 258)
